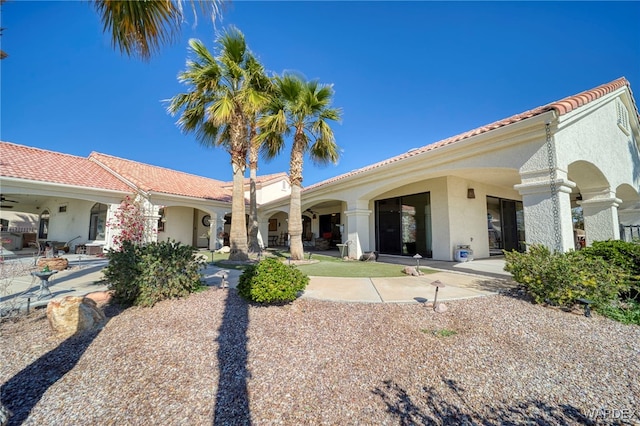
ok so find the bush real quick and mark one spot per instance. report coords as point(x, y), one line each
point(271, 281)
point(627, 312)
point(123, 271)
point(561, 278)
point(145, 275)
point(622, 254)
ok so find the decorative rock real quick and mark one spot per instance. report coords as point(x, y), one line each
point(100, 297)
point(224, 249)
point(410, 270)
point(369, 257)
point(54, 263)
point(440, 308)
point(74, 314)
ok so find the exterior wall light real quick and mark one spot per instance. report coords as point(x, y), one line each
point(471, 193)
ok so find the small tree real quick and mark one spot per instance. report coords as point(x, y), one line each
point(129, 223)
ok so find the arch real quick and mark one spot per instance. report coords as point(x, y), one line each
point(587, 176)
point(627, 194)
point(98, 221)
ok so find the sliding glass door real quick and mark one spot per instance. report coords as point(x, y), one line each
point(403, 225)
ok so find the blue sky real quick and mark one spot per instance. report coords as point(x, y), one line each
point(406, 74)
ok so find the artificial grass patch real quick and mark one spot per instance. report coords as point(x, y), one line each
point(329, 266)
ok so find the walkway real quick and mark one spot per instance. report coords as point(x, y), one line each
point(462, 280)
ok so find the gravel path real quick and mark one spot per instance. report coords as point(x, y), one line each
point(212, 358)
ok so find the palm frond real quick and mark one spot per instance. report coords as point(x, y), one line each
point(140, 28)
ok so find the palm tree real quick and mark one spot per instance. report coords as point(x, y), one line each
point(141, 27)
point(215, 110)
point(262, 85)
point(302, 108)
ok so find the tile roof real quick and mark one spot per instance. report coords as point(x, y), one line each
point(261, 179)
point(24, 162)
point(150, 178)
point(562, 107)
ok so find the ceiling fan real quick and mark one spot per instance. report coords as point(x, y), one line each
point(3, 200)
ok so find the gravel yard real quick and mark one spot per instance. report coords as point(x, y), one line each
point(212, 358)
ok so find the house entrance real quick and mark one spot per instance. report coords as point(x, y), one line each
point(330, 228)
point(403, 225)
point(505, 223)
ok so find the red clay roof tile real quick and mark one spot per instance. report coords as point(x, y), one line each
point(150, 178)
point(24, 162)
point(562, 107)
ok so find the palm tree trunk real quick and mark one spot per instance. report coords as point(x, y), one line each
point(295, 210)
point(254, 245)
point(238, 149)
point(295, 224)
point(238, 233)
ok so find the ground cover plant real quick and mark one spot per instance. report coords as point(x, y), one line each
point(605, 274)
point(321, 265)
point(331, 266)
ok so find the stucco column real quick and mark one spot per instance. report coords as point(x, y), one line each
point(152, 216)
point(600, 212)
point(358, 228)
point(539, 210)
point(217, 228)
point(263, 231)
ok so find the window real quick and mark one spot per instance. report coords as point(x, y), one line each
point(273, 224)
point(98, 221)
point(62, 208)
point(43, 228)
point(623, 117)
point(162, 220)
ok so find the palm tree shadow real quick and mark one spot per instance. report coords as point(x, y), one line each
point(436, 408)
point(232, 398)
point(21, 393)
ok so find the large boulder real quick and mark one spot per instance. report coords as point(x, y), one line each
point(74, 314)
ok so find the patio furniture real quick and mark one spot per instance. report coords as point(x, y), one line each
point(344, 249)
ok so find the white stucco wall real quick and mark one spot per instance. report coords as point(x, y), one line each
point(70, 224)
point(271, 191)
point(597, 138)
point(179, 225)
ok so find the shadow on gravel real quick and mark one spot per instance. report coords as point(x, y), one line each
point(21, 393)
point(232, 398)
point(435, 408)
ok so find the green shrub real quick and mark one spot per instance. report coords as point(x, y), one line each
point(271, 281)
point(123, 271)
point(145, 275)
point(561, 278)
point(627, 312)
point(625, 255)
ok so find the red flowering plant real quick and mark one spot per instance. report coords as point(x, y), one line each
point(129, 223)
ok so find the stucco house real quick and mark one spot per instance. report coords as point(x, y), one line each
point(500, 186)
point(496, 187)
point(74, 199)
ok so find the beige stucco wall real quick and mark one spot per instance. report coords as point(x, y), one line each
point(179, 225)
